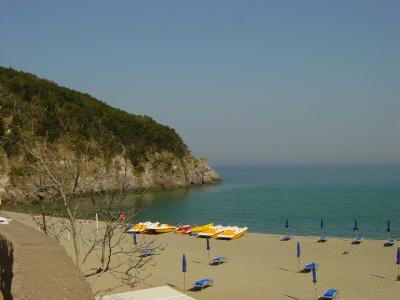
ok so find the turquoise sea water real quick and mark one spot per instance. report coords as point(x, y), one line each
point(260, 197)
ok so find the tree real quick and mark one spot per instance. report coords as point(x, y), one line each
point(66, 176)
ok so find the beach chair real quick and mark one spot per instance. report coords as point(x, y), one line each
point(390, 243)
point(217, 260)
point(308, 267)
point(287, 237)
point(357, 240)
point(323, 239)
point(203, 283)
point(5, 221)
point(147, 252)
point(329, 294)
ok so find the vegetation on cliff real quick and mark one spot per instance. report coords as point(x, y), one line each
point(22, 93)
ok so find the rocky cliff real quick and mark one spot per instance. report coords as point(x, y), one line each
point(161, 171)
point(116, 147)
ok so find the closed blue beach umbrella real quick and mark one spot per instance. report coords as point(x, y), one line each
point(398, 263)
point(298, 254)
point(388, 229)
point(298, 250)
point(208, 247)
point(184, 263)
point(314, 279)
point(398, 256)
point(287, 227)
point(355, 228)
point(184, 271)
point(314, 274)
point(134, 239)
point(321, 224)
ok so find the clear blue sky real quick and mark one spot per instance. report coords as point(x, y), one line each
point(241, 81)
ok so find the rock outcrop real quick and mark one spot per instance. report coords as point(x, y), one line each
point(160, 171)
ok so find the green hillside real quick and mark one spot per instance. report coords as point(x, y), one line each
point(93, 120)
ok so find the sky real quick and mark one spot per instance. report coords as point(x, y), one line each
point(246, 82)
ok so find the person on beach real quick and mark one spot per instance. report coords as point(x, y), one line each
point(122, 217)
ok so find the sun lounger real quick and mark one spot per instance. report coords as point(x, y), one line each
point(201, 284)
point(147, 252)
point(323, 239)
point(357, 240)
point(287, 237)
point(5, 221)
point(390, 242)
point(329, 294)
point(218, 260)
point(309, 267)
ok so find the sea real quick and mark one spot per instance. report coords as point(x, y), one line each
point(262, 197)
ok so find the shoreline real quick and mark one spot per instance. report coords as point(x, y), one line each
point(260, 266)
point(330, 236)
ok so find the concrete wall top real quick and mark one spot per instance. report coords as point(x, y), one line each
point(41, 268)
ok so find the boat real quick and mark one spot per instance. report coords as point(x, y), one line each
point(161, 228)
point(142, 227)
point(197, 229)
point(232, 232)
point(184, 229)
point(212, 231)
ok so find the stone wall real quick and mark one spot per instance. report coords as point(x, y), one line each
point(6, 267)
point(33, 266)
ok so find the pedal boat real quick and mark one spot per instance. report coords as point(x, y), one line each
point(198, 229)
point(184, 229)
point(232, 233)
point(142, 227)
point(161, 228)
point(212, 231)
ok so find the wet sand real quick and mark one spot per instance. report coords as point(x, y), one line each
point(261, 266)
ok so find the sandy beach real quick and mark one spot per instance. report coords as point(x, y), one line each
point(261, 266)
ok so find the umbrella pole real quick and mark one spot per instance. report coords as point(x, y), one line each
point(184, 282)
point(208, 252)
point(315, 291)
point(398, 272)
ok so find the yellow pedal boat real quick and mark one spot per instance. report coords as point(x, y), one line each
point(196, 230)
point(232, 233)
point(161, 228)
point(212, 231)
point(142, 227)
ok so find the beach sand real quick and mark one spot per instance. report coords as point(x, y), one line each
point(261, 266)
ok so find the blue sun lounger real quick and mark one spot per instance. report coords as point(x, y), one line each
point(201, 284)
point(217, 260)
point(390, 242)
point(287, 237)
point(357, 240)
point(329, 294)
point(309, 267)
point(147, 252)
point(323, 239)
